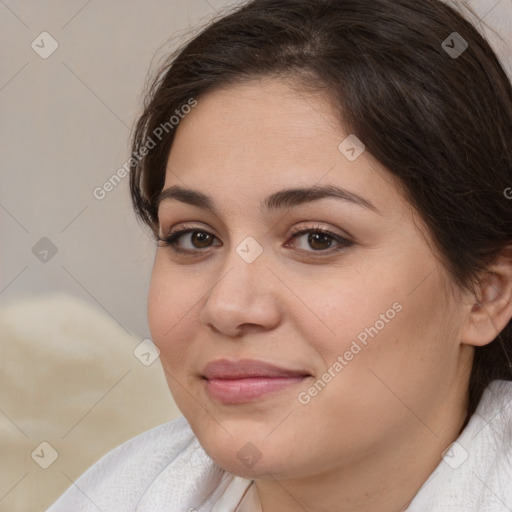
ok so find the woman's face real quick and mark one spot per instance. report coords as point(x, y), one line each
point(360, 320)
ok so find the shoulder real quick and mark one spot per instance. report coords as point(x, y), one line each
point(493, 421)
point(162, 464)
point(476, 470)
point(488, 443)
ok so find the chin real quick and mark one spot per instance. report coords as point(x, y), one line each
point(257, 459)
point(242, 466)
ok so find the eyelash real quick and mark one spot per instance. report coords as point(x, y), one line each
point(171, 240)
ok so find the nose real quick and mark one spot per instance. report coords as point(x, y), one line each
point(244, 297)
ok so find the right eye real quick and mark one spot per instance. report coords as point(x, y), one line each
point(198, 240)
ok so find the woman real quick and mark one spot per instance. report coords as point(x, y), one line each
point(331, 293)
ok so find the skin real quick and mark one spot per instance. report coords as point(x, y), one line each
point(372, 436)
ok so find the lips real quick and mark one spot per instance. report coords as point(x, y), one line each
point(247, 380)
point(246, 368)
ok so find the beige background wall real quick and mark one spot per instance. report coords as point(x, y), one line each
point(65, 123)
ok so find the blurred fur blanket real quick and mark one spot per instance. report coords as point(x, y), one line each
point(70, 380)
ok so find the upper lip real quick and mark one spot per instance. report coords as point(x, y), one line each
point(243, 368)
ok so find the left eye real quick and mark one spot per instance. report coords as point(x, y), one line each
point(319, 240)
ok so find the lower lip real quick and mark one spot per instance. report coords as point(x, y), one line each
point(238, 391)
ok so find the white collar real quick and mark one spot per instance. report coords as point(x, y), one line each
point(241, 492)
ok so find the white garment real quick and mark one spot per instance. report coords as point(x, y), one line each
point(166, 470)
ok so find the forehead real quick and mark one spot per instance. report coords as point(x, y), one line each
point(255, 138)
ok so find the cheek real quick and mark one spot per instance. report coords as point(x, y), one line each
point(345, 307)
point(390, 382)
point(168, 308)
point(159, 305)
point(380, 329)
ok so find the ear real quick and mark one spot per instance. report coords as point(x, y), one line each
point(491, 310)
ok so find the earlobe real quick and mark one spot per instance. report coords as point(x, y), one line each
point(492, 308)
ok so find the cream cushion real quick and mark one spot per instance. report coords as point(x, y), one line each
point(69, 378)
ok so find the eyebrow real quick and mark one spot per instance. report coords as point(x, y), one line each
point(286, 198)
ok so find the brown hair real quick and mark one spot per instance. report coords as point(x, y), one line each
point(441, 124)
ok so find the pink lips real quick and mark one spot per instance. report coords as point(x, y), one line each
point(245, 380)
